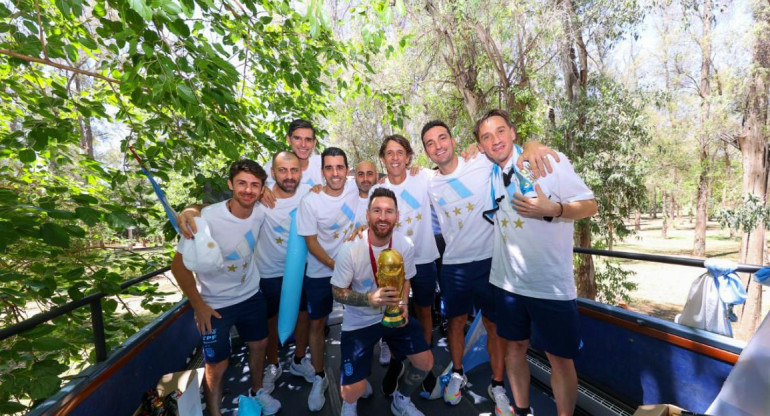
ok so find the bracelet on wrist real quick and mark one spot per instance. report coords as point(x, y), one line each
point(561, 210)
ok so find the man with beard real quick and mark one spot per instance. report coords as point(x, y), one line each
point(354, 283)
point(324, 219)
point(301, 138)
point(229, 295)
point(532, 263)
point(366, 177)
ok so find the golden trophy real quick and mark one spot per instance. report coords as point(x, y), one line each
point(390, 272)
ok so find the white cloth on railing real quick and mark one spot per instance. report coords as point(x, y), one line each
point(745, 392)
point(711, 298)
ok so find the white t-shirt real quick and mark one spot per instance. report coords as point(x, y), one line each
point(237, 238)
point(414, 214)
point(274, 236)
point(533, 257)
point(311, 176)
point(331, 218)
point(363, 204)
point(459, 199)
point(353, 270)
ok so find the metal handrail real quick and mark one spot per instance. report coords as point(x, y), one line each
point(97, 319)
point(656, 258)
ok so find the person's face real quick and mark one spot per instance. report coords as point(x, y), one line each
point(302, 142)
point(366, 174)
point(396, 159)
point(496, 139)
point(246, 189)
point(334, 171)
point(439, 145)
point(287, 173)
point(382, 216)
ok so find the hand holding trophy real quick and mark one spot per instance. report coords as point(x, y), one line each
point(390, 273)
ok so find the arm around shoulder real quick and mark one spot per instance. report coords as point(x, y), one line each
point(578, 210)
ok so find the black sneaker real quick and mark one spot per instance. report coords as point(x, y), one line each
point(390, 381)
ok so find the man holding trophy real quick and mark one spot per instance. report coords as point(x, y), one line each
point(371, 277)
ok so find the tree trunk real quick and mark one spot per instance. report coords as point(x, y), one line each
point(754, 152)
point(584, 273)
point(701, 215)
point(638, 221)
point(664, 205)
point(654, 204)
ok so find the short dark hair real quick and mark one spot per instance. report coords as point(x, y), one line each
point(286, 153)
point(333, 151)
point(400, 140)
point(249, 166)
point(431, 124)
point(300, 124)
point(493, 113)
point(382, 192)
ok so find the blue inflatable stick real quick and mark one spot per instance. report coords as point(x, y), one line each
point(293, 273)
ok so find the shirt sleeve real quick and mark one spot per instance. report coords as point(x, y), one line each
point(410, 269)
point(342, 276)
point(564, 185)
point(307, 220)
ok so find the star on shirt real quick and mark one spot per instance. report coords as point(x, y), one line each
point(409, 220)
point(519, 223)
point(231, 268)
point(469, 207)
point(336, 235)
point(457, 211)
point(245, 265)
point(447, 213)
point(418, 217)
point(279, 240)
point(398, 224)
point(505, 222)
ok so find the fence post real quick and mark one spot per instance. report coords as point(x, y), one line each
point(97, 325)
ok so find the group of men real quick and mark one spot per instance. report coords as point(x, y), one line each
point(508, 256)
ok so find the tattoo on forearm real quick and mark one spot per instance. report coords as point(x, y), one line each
point(350, 297)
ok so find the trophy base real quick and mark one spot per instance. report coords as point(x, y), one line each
point(392, 320)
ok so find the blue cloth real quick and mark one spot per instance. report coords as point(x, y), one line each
point(731, 290)
point(763, 276)
point(248, 406)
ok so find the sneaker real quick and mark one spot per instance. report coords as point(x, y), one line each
point(368, 392)
point(269, 404)
point(348, 409)
point(390, 381)
point(502, 404)
point(303, 369)
point(272, 373)
point(403, 406)
point(317, 398)
point(452, 393)
point(384, 353)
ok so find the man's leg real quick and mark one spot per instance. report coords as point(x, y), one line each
point(496, 349)
point(257, 362)
point(564, 384)
point(352, 392)
point(518, 371)
point(272, 341)
point(301, 335)
point(212, 386)
point(425, 318)
point(456, 339)
point(424, 292)
point(317, 343)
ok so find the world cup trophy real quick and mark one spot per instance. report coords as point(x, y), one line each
point(390, 272)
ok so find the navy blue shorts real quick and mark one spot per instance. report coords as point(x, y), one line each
point(423, 284)
point(465, 287)
point(271, 288)
point(551, 325)
point(318, 292)
point(357, 347)
point(249, 318)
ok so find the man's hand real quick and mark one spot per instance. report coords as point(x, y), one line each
point(385, 296)
point(404, 312)
point(470, 152)
point(203, 316)
point(536, 154)
point(186, 221)
point(357, 233)
point(267, 198)
point(535, 207)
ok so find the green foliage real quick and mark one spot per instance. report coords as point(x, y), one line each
point(612, 283)
point(747, 216)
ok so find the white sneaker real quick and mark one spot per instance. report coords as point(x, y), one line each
point(272, 374)
point(269, 404)
point(384, 353)
point(502, 404)
point(368, 392)
point(403, 406)
point(452, 393)
point(303, 369)
point(317, 398)
point(348, 409)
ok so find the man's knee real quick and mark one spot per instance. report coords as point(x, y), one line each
point(256, 346)
point(517, 348)
point(422, 361)
point(457, 323)
point(215, 371)
point(560, 365)
point(317, 324)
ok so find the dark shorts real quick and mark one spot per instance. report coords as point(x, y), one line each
point(249, 318)
point(551, 325)
point(423, 284)
point(271, 288)
point(357, 347)
point(318, 292)
point(465, 287)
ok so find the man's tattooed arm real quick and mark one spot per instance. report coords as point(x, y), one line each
point(350, 297)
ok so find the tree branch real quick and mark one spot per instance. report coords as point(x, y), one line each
point(49, 62)
point(40, 29)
